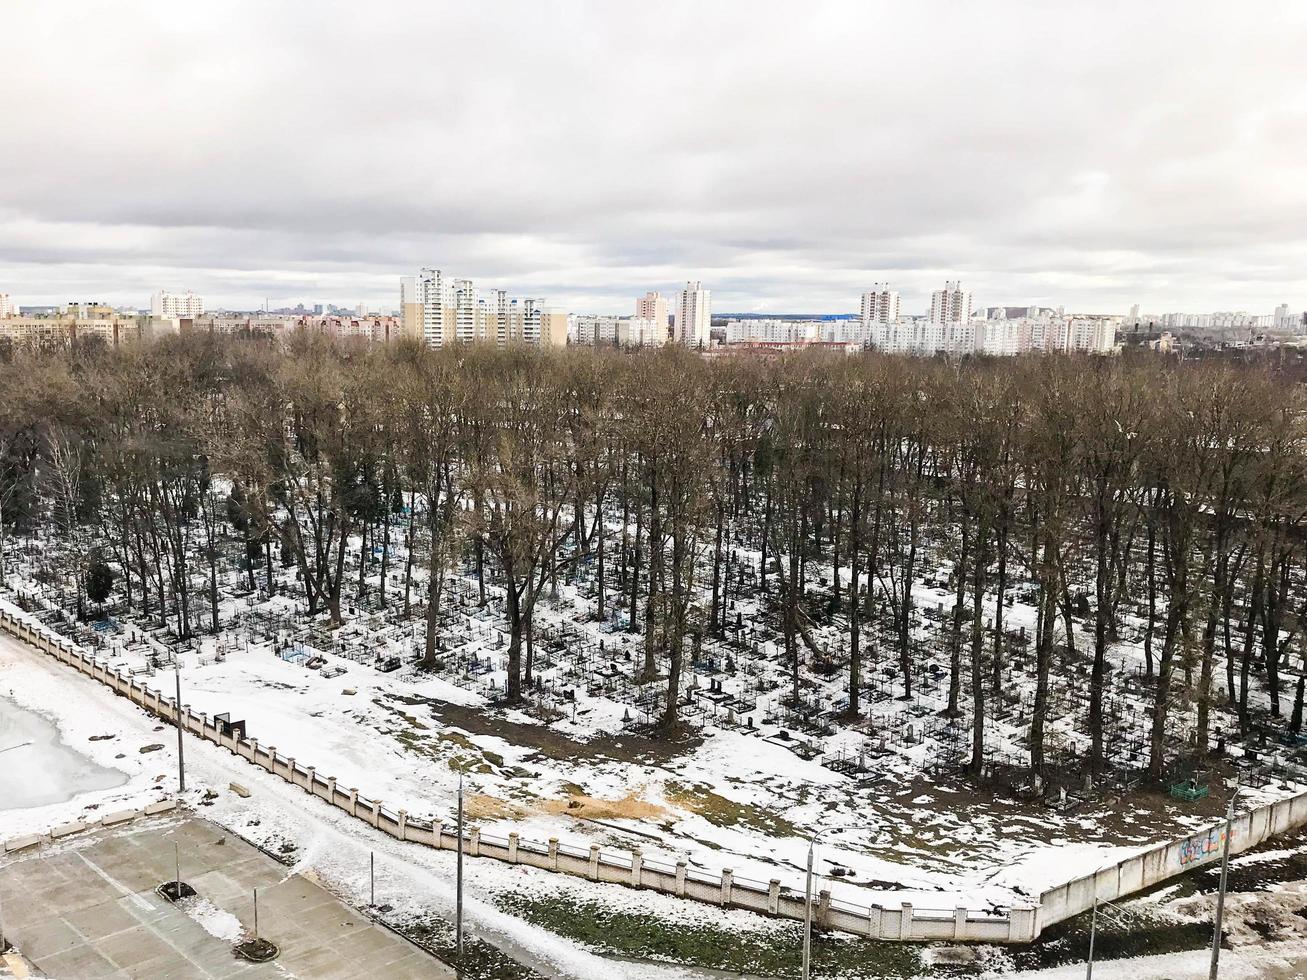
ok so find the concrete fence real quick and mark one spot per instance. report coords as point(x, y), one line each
point(1164, 861)
point(115, 819)
point(631, 868)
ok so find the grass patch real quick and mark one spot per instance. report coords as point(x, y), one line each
point(773, 951)
point(721, 812)
point(480, 960)
point(1147, 932)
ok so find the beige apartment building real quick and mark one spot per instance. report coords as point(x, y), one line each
point(443, 311)
point(652, 307)
point(553, 329)
point(65, 328)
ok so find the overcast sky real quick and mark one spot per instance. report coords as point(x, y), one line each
point(1091, 154)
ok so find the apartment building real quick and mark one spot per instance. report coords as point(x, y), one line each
point(952, 304)
point(998, 337)
point(694, 315)
point(444, 311)
point(879, 305)
point(617, 331)
point(64, 328)
point(652, 306)
point(164, 303)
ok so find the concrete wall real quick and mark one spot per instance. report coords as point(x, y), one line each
point(1170, 859)
point(114, 819)
point(903, 922)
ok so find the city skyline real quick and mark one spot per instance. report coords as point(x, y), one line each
point(885, 299)
point(805, 172)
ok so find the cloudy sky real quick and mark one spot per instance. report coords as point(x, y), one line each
point(1092, 154)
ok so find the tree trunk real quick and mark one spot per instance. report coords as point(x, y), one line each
point(635, 566)
point(999, 640)
point(600, 610)
point(514, 686)
point(1044, 623)
point(978, 652)
point(1152, 598)
point(650, 670)
point(855, 617)
point(1102, 612)
point(955, 638)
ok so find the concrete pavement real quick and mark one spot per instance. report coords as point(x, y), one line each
point(85, 908)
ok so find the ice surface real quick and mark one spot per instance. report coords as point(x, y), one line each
point(37, 768)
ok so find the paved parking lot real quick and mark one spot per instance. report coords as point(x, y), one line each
point(86, 908)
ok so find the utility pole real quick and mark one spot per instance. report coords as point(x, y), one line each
point(181, 758)
point(1220, 895)
point(458, 887)
point(1119, 919)
point(807, 916)
point(1093, 929)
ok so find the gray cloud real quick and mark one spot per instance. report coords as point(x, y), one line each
point(1088, 154)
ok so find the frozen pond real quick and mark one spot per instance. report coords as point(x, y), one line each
point(37, 768)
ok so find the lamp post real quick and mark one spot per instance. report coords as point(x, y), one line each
point(1093, 929)
point(181, 758)
point(458, 888)
point(807, 915)
point(1220, 895)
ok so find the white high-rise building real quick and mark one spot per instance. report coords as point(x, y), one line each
point(497, 311)
point(7, 305)
point(532, 317)
point(694, 315)
point(434, 294)
point(652, 306)
point(466, 303)
point(880, 305)
point(952, 304)
point(164, 303)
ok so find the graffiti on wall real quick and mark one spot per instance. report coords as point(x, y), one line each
point(1203, 846)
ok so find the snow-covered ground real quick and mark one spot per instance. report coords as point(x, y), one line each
point(325, 843)
point(734, 796)
point(734, 800)
point(754, 780)
point(1286, 961)
point(328, 844)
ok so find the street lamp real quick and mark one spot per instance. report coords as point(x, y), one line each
point(458, 888)
point(181, 759)
point(807, 914)
point(1220, 895)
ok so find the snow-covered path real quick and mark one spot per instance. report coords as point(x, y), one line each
point(1281, 961)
